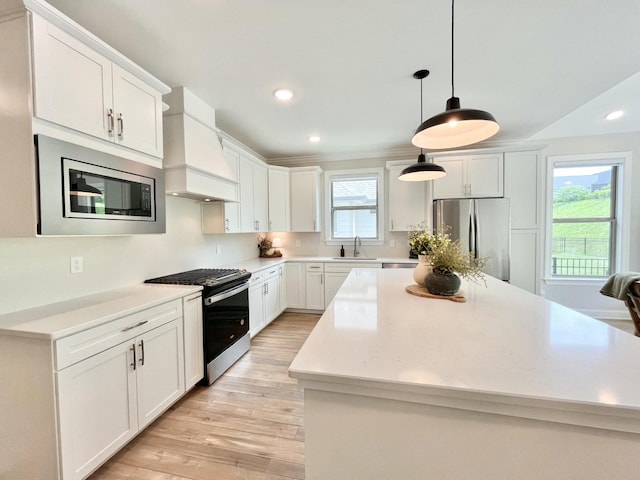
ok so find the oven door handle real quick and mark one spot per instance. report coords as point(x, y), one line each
point(229, 293)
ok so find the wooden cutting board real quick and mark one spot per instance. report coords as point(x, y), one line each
point(419, 291)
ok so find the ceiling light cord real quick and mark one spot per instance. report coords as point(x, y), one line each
point(453, 90)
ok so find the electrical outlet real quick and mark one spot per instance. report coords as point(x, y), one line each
point(297, 243)
point(218, 249)
point(392, 243)
point(76, 264)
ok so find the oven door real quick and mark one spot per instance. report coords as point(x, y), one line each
point(226, 320)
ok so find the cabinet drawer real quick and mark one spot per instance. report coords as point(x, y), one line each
point(74, 348)
point(315, 267)
point(347, 266)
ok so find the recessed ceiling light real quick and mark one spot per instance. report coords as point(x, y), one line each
point(313, 139)
point(283, 94)
point(174, 194)
point(614, 115)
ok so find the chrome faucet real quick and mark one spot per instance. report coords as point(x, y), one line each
point(356, 242)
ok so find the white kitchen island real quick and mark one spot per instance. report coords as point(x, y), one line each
point(505, 386)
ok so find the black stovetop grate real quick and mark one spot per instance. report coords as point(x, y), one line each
point(201, 276)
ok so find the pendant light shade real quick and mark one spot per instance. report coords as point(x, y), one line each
point(422, 170)
point(455, 127)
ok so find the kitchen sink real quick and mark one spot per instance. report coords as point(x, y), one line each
point(354, 258)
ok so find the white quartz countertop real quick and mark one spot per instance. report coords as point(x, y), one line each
point(257, 264)
point(503, 345)
point(61, 319)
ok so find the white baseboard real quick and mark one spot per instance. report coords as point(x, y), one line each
point(607, 314)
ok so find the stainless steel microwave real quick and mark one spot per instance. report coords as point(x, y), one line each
point(87, 192)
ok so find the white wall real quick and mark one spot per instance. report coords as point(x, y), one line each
point(35, 271)
point(314, 244)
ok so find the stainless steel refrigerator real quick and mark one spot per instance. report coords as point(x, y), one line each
point(481, 225)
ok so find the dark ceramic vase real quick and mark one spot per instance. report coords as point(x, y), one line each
point(445, 284)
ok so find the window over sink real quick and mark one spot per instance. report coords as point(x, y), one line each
point(354, 205)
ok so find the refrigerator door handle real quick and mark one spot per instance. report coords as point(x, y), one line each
point(475, 229)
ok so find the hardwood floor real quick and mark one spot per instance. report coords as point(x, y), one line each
point(247, 425)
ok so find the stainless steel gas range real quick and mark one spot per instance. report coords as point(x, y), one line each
point(225, 307)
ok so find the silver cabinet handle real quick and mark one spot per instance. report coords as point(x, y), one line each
point(321, 275)
point(142, 353)
point(226, 224)
point(110, 121)
point(391, 224)
point(120, 126)
point(133, 349)
point(270, 226)
point(131, 327)
point(199, 297)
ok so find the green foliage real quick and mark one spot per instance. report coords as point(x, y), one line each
point(571, 193)
point(422, 241)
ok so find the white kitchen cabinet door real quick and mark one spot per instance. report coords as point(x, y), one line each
point(305, 200)
point(485, 175)
point(193, 342)
point(247, 216)
point(97, 407)
point(407, 202)
point(232, 209)
point(260, 197)
point(315, 286)
point(473, 176)
point(279, 198)
point(282, 288)
point(272, 297)
point(453, 184)
point(522, 187)
point(257, 318)
point(295, 285)
point(524, 263)
point(72, 82)
point(160, 370)
point(333, 282)
point(138, 113)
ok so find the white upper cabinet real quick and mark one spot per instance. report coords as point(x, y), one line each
point(253, 196)
point(305, 199)
point(279, 200)
point(73, 83)
point(407, 200)
point(79, 88)
point(522, 184)
point(470, 176)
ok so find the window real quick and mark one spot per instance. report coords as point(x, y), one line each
point(586, 210)
point(353, 205)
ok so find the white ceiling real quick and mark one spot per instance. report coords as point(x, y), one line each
point(544, 69)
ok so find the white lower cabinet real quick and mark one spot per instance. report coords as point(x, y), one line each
point(295, 285)
point(315, 286)
point(264, 298)
point(106, 398)
point(282, 302)
point(193, 341)
point(97, 409)
point(336, 273)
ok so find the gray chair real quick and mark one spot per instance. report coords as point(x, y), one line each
point(633, 304)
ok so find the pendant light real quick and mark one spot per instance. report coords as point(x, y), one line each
point(455, 127)
point(423, 170)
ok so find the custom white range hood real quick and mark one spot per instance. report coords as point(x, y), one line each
point(194, 163)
